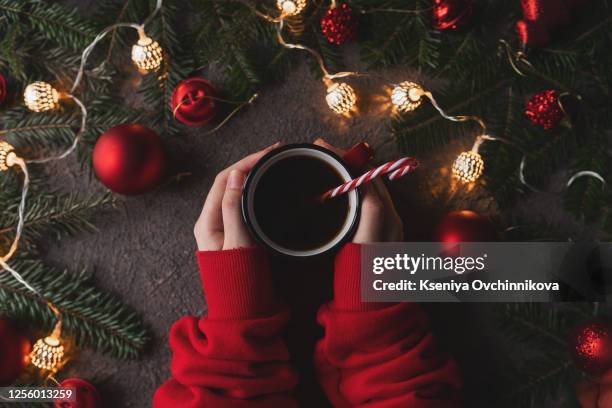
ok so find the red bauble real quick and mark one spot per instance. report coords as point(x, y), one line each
point(465, 226)
point(86, 394)
point(592, 347)
point(194, 97)
point(543, 109)
point(14, 351)
point(339, 24)
point(129, 159)
point(2, 88)
point(451, 14)
point(541, 17)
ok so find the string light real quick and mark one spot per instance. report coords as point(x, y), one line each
point(48, 352)
point(406, 96)
point(41, 97)
point(468, 167)
point(147, 54)
point(341, 97)
point(7, 156)
point(291, 7)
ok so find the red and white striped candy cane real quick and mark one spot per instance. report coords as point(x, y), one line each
point(394, 170)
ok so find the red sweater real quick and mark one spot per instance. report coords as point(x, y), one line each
point(372, 355)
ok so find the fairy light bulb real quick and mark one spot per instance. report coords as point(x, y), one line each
point(147, 54)
point(7, 156)
point(291, 7)
point(406, 96)
point(41, 97)
point(48, 352)
point(468, 167)
point(341, 97)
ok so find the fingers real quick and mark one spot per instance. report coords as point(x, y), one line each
point(371, 223)
point(393, 225)
point(210, 224)
point(236, 234)
point(323, 143)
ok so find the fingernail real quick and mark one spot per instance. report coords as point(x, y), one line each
point(235, 181)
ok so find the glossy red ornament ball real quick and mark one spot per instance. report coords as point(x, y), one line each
point(87, 395)
point(129, 159)
point(451, 14)
point(544, 110)
point(592, 347)
point(191, 101)
point(2, 88)
point(541, 18)
point(14, 351)
point(339, 24)
point(465, 226)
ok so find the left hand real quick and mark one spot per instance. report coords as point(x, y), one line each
point(220, 225)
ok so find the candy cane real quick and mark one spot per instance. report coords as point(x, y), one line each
point(393, 169)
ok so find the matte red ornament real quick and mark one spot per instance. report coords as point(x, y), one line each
point(2, 88)
point(339, 24)
point(465, 226)
point(87, 395)
point(541, 17)
point(543, 109)
point(129, 159)
point(14, 351)
point(192, 101)
point(592, 347)
point(451, 14)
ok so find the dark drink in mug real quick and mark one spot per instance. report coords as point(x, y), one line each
point(282, 201)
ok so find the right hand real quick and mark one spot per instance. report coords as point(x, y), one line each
point(220, 225)
point(379, 220)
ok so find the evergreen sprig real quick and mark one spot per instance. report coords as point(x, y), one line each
point(544, 370)
point(53, 21)
point(93, 318)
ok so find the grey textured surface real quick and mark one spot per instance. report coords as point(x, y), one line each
point(144, 251)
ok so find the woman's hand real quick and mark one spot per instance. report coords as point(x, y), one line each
point(379, 221)
point(220, 225)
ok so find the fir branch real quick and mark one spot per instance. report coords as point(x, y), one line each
point(58, 215)
point(93, 318)
point(51, 20)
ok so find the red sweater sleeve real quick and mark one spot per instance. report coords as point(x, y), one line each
point(379, 355)
point(234, 356)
